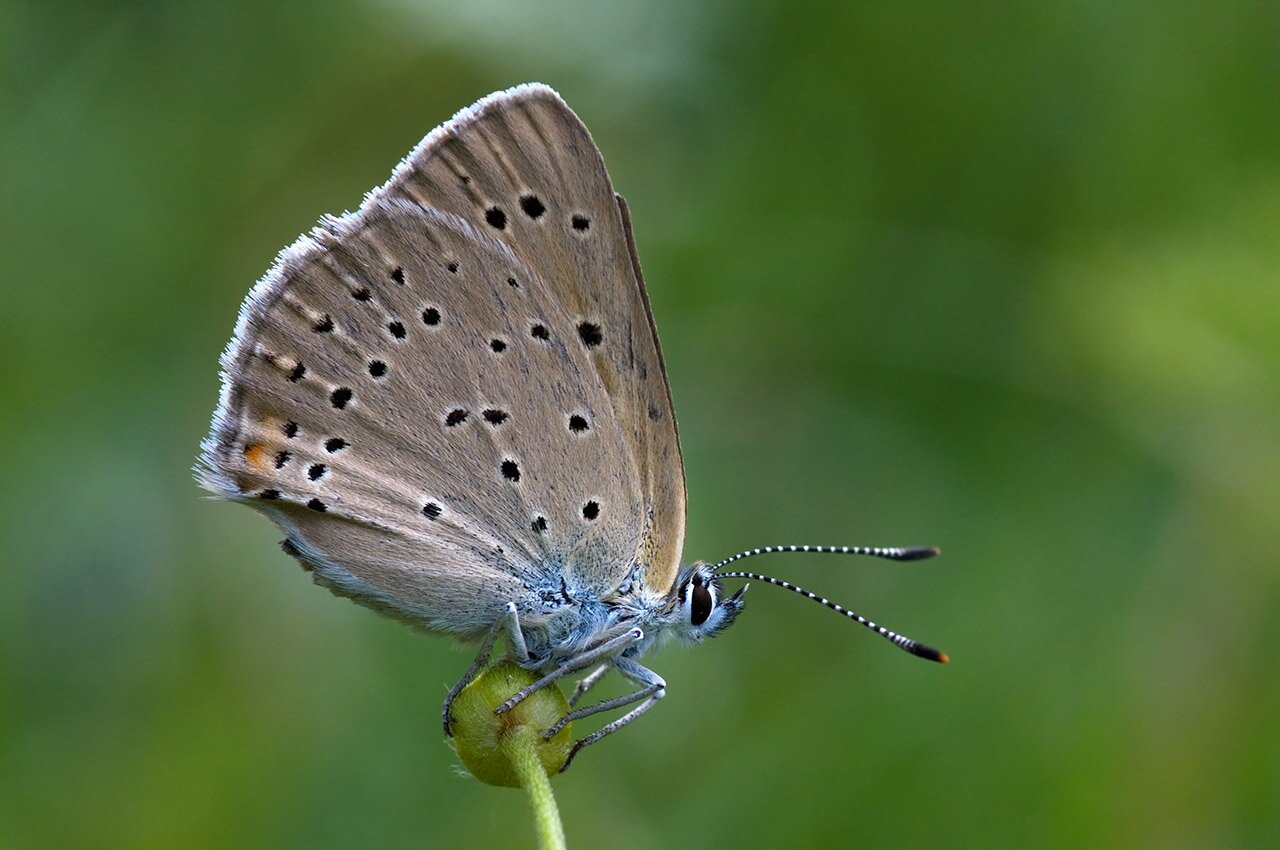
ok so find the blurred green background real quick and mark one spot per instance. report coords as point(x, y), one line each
point(1001, 278)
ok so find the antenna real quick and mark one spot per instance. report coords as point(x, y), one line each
point(914, 553)
point(892, 553)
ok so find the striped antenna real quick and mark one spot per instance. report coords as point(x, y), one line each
point(894, 554)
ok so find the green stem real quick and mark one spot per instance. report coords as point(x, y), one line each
point(520, 746)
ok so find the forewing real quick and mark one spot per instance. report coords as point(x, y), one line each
point(524, 168)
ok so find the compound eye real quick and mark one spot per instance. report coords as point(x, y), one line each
point(700, 605)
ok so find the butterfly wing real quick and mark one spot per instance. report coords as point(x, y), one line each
point(454, 397)
point(522, 162)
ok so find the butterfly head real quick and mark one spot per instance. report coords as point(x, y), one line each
point(701, 609)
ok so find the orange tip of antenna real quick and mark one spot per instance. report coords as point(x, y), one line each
point(943, 659)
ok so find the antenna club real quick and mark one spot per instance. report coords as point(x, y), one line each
point(928, 652)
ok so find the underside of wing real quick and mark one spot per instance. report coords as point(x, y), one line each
point(454, 397)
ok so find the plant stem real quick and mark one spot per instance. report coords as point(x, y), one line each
point(519, 745)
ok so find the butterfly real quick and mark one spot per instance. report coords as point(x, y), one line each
point(454, 404)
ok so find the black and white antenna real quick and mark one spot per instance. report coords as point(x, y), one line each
point(914, 553)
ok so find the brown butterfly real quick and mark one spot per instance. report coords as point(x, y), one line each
point(453, 402)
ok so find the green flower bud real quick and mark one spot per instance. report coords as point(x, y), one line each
point(483, 740)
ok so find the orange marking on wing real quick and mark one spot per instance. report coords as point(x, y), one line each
point(257, 456)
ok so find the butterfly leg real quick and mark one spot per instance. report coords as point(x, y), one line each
point(587, 683)
point(652, 685)
point(606, 649)
point(636, 673)
point(511, 620)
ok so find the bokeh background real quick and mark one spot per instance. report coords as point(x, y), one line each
point(1000, 277)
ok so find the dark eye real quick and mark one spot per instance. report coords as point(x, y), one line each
point(700, 605)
